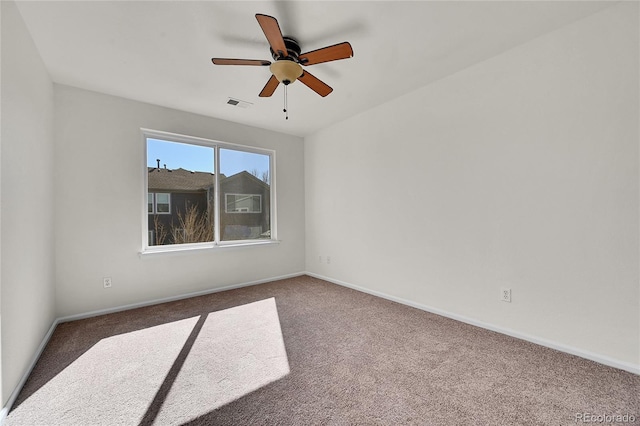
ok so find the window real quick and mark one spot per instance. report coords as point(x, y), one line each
point(162, 204)
point(243, 203)
point(158, 203)
point(206, 193)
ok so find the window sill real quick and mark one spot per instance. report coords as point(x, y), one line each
point(196, 248)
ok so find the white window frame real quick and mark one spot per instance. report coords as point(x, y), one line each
point(226, 203)
point(216, 145)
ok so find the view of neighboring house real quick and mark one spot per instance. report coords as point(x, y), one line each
point(180, 206)
point(245, 207)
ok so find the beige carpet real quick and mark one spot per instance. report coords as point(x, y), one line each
point(304, 351)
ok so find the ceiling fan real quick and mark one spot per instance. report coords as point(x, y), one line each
point(287, 67)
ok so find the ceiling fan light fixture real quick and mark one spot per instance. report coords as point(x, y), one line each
point(286, 71)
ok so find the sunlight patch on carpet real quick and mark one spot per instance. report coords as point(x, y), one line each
point(112, 383)
point(238, 351)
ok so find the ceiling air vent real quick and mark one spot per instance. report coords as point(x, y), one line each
point(239, 103)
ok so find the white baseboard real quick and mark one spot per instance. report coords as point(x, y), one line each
point(601, 359)
point(4, 412)
point(174, 298)
point(14, 395)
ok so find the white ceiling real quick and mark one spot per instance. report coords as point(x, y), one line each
point(160, 51)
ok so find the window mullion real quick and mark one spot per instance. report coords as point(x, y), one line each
point(216, 195)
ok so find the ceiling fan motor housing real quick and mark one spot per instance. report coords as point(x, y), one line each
point(293, 49)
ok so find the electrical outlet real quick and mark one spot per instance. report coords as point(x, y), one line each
point(505, 294)
point(328, 259)
point(106, 281)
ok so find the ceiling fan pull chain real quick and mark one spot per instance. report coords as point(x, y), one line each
point(285, 104)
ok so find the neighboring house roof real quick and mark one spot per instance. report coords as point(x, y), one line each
point(244, 175)
point(178, 180)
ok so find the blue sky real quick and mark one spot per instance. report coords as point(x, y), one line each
point(200, 158)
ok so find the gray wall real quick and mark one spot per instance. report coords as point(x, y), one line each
point(520, 171)
point(27, 213)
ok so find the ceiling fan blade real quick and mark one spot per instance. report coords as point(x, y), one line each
point(225, 61)
point(270, 87)
point(314, 84)
point(271, 30)
point(327, 54)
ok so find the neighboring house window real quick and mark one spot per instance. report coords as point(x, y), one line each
point(196, 188)
point(243, 203)
point(158, 203)
point(163, 206)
